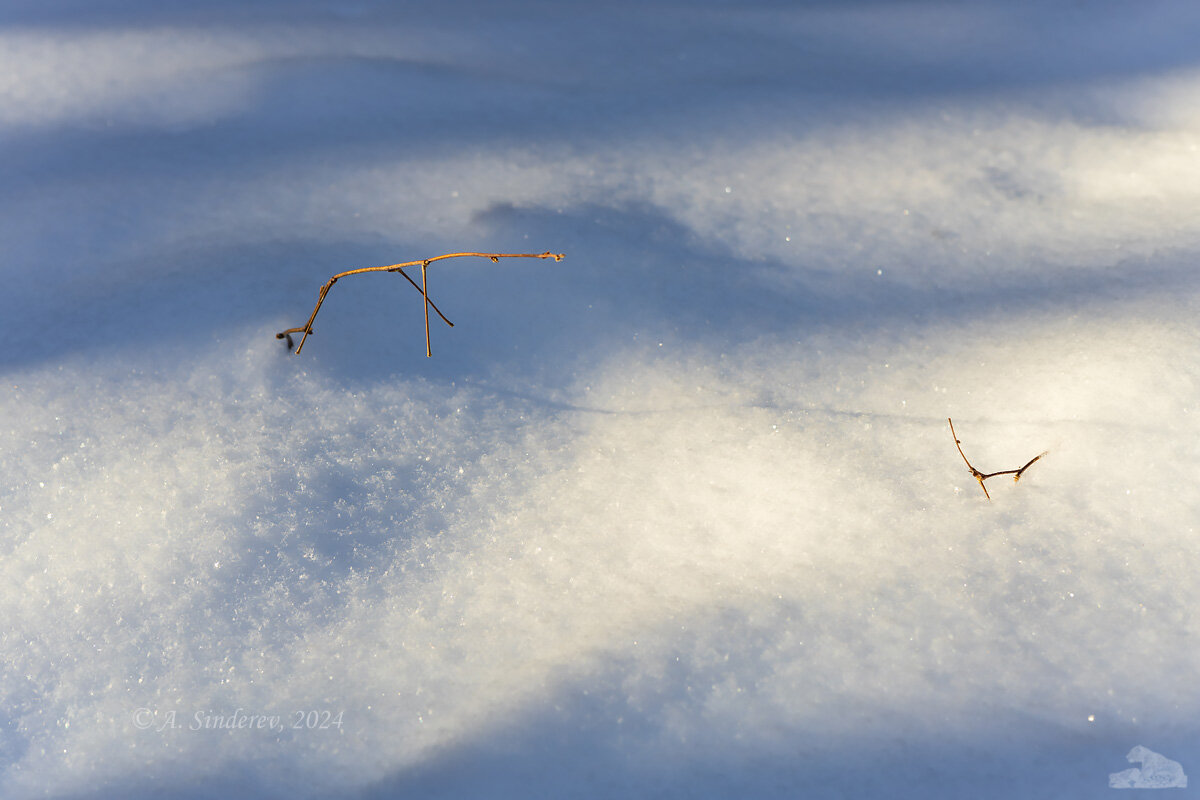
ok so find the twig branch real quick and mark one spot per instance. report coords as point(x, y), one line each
point(306, 329)
point(981, 476)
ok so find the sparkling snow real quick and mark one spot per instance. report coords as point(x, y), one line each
point(678, 516)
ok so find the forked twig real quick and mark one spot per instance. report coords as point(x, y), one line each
point(980, 476)
point(423, 288)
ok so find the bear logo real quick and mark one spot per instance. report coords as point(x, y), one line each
point(1157, 772)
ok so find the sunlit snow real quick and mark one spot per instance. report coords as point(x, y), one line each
point(678, 516)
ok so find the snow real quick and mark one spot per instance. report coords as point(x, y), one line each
point(678, 516)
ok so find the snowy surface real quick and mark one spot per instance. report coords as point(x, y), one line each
point(678, 516)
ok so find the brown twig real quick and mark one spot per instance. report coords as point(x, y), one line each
point(980, 476)
point(422, 288)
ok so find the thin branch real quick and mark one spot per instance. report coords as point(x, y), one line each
point(307, 329)
point(1017, 475)
point(981, 476)
point(974, 472)
point(425, 294)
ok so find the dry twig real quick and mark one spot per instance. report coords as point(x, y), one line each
point(980, 476)
point(422, 288)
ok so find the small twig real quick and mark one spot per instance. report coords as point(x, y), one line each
point(976, 474)
point(425, 295)
point(306, 329)
point(980, 476)
point(1017, 475)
